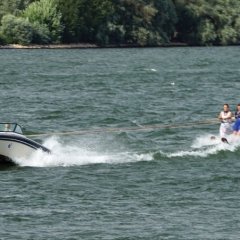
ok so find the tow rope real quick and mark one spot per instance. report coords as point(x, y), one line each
point(139, 128)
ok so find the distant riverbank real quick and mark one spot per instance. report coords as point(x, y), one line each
point(82, 45)
point(48, 46)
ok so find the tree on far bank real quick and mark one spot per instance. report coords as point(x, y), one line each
point(143, 22)
point(203, 22)
point(16, 30)
point(13, 7)
point(45, 16)
point(84, 20)
point(131, 22)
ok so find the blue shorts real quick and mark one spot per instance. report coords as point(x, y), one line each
point(236, 126)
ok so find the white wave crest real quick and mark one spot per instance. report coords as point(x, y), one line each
point(75, 155)
point(206, 145)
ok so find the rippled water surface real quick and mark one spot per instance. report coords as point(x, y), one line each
point(166, 183)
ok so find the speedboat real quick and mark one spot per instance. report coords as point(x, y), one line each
point(14, 145)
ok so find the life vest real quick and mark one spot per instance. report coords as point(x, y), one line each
point(237, 114)
point(224, 115)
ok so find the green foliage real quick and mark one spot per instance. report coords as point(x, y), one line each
point(140, 36)
point(94, 16)
point(144, 37)
point(118, 22)
point(13, 6)
point(16, 30)
point(208, 22)
point(2, 39)
point(85, 20)
point(165, 20)
point(110, 33)
point(137, 22)
point(46, 17)
point(70, 18)
point(41, 34)
point(207, 34)
point(19, 30)
point(137, 17)
point(145, 22)
point(8, 7)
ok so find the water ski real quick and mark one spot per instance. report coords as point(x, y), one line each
point(224, 140)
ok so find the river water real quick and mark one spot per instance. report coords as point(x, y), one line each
point(168, 183)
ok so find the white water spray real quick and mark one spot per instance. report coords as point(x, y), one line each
point(206, 145)
point(66, 155)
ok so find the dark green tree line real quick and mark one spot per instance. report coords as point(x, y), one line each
point(215, 22)
point(132, 22)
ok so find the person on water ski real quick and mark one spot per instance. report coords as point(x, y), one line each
point(236, 126)
point(226, 121)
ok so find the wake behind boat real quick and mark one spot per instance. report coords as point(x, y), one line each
point(14, 145)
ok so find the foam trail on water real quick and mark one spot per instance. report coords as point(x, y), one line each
point(205, 140)
point(205, 145)
point(76, 155)
point(73, 155)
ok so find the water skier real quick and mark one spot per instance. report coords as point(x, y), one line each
point(226, 122)
point(236, 126)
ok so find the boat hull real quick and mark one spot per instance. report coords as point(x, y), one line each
point(5, 162)
point(15, 146)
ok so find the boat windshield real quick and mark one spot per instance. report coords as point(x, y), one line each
point(10, 127)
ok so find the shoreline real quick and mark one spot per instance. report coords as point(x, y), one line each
point(95, 46)
point(85, 46)
point(49, 46)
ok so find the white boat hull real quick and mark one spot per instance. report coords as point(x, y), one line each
point(15, 150)
point(14, 146)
